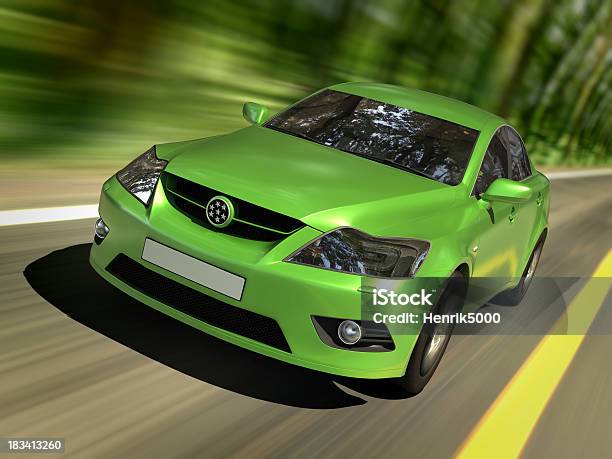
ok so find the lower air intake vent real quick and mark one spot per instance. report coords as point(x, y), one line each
point(198, 305)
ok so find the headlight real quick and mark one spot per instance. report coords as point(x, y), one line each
point(141, 175)
point(353, 251)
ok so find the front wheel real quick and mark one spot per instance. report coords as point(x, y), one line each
point(434, 338)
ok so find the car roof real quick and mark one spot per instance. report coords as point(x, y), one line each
point(423, 102)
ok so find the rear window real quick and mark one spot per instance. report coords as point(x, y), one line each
point(400, 137)
point(494, 166)
point(518, 156)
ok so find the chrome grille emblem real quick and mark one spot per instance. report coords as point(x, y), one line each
point(219, 211)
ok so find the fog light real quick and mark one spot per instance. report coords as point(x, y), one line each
point(349, 332)
point(101, 230)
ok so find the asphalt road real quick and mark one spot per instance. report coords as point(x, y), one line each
point(82, 361)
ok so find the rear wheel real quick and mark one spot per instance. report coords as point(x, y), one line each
point(434, 338)
point(514, 296)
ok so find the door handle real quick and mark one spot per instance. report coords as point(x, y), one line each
point(539, 199)
point(512, 215)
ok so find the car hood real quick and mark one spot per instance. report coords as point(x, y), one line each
point(323, 187)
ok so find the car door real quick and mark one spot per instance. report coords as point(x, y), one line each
point(495, 256)
point(520, 171)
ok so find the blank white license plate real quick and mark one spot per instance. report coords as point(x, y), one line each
point(193, 269)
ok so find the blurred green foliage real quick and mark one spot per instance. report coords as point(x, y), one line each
point(84, 80)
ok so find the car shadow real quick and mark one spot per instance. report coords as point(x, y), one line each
point(65, 279)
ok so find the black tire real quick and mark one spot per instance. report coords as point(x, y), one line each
point(514, 296)
point(425, 358)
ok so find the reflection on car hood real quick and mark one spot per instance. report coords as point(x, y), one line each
point(323, 187)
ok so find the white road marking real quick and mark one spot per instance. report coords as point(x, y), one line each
point(59, 214)
point(47, 214)
point(577, 174)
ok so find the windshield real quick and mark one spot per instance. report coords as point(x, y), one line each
point(382, 132)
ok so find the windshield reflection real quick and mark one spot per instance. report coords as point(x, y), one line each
point(397, 136)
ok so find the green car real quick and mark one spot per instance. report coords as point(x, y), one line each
point(268, 237)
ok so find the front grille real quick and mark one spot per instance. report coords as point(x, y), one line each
point(198, 305)
point(252, 221)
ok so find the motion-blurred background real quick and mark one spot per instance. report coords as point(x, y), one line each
point(86, 85)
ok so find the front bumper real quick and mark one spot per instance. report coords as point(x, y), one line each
point(288, 293)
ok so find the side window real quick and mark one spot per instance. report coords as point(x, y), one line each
point(494, 166)
point(518, 156)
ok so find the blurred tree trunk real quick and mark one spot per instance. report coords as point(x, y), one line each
point(512, 49)
point(535, 30)
point(601, 50)
point(481, 76)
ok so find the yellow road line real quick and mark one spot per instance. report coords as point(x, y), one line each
point(505, 428)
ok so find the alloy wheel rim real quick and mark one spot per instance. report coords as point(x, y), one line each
point(433, 351)
point(533, 265)
point(440, 333)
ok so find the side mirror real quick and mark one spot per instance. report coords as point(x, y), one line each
point(255, 113)
point(504, 190)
